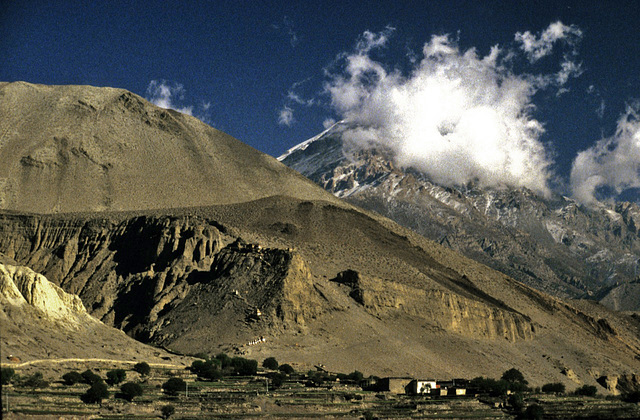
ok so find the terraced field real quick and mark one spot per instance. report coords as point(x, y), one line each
point(255, 397)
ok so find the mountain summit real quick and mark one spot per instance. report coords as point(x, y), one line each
point(553, 244)
point(82, 148)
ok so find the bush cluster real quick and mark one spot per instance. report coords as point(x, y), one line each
point(130, 390)
point(511, 380)
point(207, 369)
point(551, 388)
point(174, 385)
point(586, 390)
point(142, 368)
point(116, 376)
point(6, 374)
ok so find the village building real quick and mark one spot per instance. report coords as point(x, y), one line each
point(395, 385)
point(422, 386)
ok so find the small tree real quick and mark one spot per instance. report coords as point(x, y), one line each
point(277, 379)
point(551, 388)
point(587, 390)
point(90, 378)
point(244, 367)
point(355, 376)
point(96, 393)
point(513, 375)
point(286, 369)
point(516, 402)
point(116, 376)
point(208, 369)
point(142, 368)
point(225, 360)
point(131, 390)
point(6, 374)
point(174, 385)
point(270, 363)
point(533, 412)
point(72, 377)
point(167, 411)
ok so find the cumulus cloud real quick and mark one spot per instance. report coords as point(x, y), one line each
point(164, 95)
point(285, 117)
point(537, 47)
point(612, 164)
point(457, 116)
point(170, 96)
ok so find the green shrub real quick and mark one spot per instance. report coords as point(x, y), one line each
point(174, 385)
point(167, 411)
point(131, 390)
point(586, 390)
point(516, 402)
point(6, 374)
point(555, 387)
point(116, 376)
point(142, 368)
point(355, 376)
point(490, 386)
point(208, 369)
point(533, 412)
point(277, 379)
point(286, 369)
point(33, 381)
point(71, 378)
point(632, 397)
point(244, 367)
point(90, 378)
point(225, 361)
point(96, 393)
point(513, 376)
point(270, 363)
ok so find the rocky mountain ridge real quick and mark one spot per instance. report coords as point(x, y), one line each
point(553, 244)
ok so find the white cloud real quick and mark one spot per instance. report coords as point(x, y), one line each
point(164, 96)
point(612, 163)
point(170, 96)
point(285, 117)
point(457, 116)
point(537, 47)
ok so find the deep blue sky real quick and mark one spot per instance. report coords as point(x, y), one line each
point(243, 57)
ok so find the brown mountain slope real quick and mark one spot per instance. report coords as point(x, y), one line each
point(326, 285)
point(81, 148)
point(276, 257)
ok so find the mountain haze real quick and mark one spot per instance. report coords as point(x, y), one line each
point(258, 252)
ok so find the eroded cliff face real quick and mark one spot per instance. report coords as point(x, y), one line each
point(442, 309)
point(157, 277)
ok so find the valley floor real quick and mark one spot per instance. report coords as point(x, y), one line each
point(250, 397)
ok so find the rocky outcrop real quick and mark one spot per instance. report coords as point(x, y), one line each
point(21, 285)
point(140, 273)
point(442, 309)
